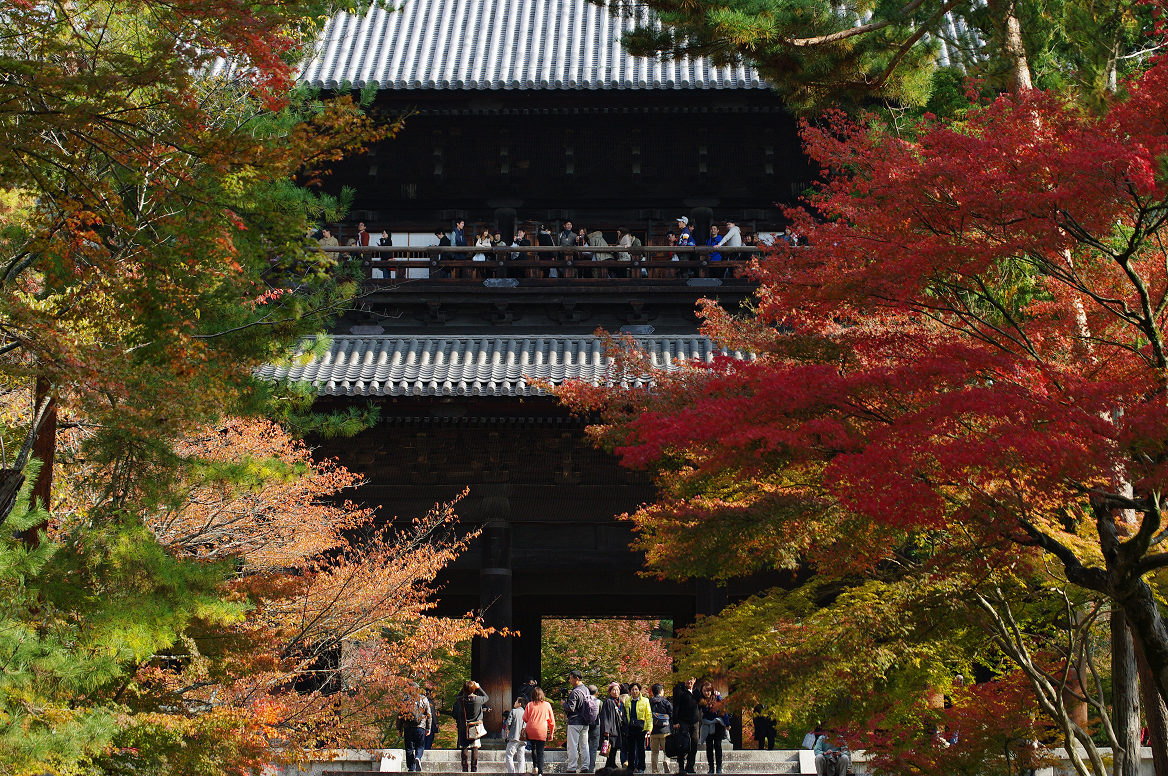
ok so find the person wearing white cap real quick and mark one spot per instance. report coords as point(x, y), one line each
point(685, 237)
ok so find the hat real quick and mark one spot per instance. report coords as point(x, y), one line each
point(684, 220)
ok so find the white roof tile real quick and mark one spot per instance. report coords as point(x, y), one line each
point(500, 44)
point(473, 365)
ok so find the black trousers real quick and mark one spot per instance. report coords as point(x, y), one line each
point(714, 753)
point(537, 754)
point(685, 762)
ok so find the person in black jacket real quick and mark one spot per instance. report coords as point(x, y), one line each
point(443, 242)
point(662, 716)
point(612, 725)
point(687, 718)
point(468, 713)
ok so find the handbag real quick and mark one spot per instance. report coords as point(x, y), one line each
point(676, 743)
point(475, 730)
point(605, 747)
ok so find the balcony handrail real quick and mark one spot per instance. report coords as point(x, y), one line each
point(572, 249)
point(448, 262)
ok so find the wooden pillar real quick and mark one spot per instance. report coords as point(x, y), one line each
point(493, 654)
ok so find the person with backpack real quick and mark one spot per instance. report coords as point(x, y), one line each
point(662, 711)
point(593, 730)
point(580, 712)
point(639, 721)
point(414, 724)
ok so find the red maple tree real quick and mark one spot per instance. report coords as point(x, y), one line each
point(973, 341)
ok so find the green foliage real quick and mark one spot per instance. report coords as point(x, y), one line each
point(886, 53)
point(41, 728)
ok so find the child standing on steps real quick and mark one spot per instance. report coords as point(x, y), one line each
point(514, 731)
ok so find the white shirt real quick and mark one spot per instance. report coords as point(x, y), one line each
point(732, 238)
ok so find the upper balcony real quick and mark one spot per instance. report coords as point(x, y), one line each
point(642, 289)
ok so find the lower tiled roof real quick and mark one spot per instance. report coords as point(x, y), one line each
point(476, 365)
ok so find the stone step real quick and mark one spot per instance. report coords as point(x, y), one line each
point(442, 762)
point(744, 755)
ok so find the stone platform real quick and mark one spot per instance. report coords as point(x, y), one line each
point(447, 761)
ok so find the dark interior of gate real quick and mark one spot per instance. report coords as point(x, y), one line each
point(546, 501)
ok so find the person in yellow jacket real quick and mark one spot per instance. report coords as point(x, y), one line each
point(639, 714)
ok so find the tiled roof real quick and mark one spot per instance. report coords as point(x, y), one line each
point(475, 365)
point(500, 44)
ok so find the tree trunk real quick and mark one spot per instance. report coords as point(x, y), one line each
point(1155, 713)
point(1013, 45)
point(44, 448)
point(11, 480)
point(1125, 697)
point(1148, 628)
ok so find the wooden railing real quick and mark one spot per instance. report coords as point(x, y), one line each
point(657, 262)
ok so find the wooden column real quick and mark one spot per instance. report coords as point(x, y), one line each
point(493, 654)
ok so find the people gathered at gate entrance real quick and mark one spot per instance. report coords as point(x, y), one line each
point(617, 730)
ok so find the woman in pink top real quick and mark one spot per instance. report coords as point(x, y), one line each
point(540, 727)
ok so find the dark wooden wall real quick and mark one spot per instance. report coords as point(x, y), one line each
point(600, 157)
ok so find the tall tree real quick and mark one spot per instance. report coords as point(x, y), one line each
point(821, 54)
point(970, 344)
point(151, 255)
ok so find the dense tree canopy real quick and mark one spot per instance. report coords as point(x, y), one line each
point(195, 580)
point(958, 400)
point(824, 54)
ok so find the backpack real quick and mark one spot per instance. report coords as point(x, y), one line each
point(660, 716)
point(590, 709)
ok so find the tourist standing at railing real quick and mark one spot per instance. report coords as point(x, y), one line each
point(520, 241)
point(567, 236)
point(362, 236)
point(712, 241)
point(623, 240)
point(733, 236)
point(583, 257)
point(635, 242)
point(567, 239)
point(546, 239)
point(596, 240)
point(685, 240)
point(327, 240)
point(482, 241)
point(443, 242)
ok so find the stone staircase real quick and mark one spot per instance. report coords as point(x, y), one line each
point(447, 761)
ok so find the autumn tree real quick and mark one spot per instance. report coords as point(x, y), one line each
point(315, 625)
point(614, 650)
point(966, 356)
point(827, 54)
point(153, 160)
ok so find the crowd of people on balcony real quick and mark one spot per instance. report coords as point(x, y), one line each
point(585, 253)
